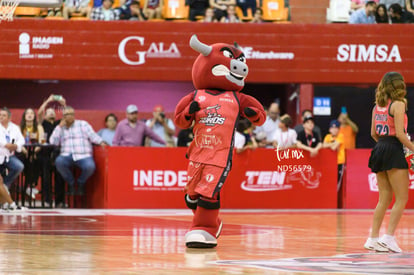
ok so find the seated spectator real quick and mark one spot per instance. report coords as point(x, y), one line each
point(257, 16)
point(335, 141)
point(131, 132)
point(197, 8)
point(308, 139)
point(271, 124)
point(231, 16)
point(153, 9)
point(399, 16)
point(284, 137)
point(163, 127)
point(365, 15)
point(299, 128)
point(105, 12)
point(243, 137)
point(33, 133)
point(381, 15)
point(11, 141)
point(76, 6)
point(108, 133)
point(388, 3)
point(349, 130)
point(209, 16)
point(220, 7)
point(75, 138)
point(131, 10)
point(247, 4)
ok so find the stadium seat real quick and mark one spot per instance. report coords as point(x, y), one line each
point(27, 12)
point(338, 11)
point(274, 10)
point(248, 17)
point(175, 9)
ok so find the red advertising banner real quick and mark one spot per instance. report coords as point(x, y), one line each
point(360, 185)
point(276, 53)
point(142, 177)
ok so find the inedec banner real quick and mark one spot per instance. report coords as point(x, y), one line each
point(142, 177)
point(360, 186)
point(276, 53)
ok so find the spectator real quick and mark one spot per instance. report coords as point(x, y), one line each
point(131, 10)
point(399, 16)
point(388, 3)
point(131, 132)
point(243, 137)
point(197, 8)
point(12, 141)
point(257, 16)
point(349, 129)
point(75, 138)
point(105, 12)
point(308, 139)
point(231, 16)
point(247, 4)
point(299, 128)
point(209, 16)
point(285, 137)
point(220, 7)
point(381, 15)
point(33, 133)
point(108, 133)
point(48, 120)
point(335, 141)
point(271, 124)
point(162, 126)
point(185, 137)
point(364, 16)
point(153, 9)
point(76, 6)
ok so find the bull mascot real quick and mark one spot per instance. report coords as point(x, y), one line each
point(213, 110)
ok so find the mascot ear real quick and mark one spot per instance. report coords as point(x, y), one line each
point(200, 47)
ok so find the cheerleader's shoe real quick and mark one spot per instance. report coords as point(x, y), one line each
point(373, 245)
point(200, 239)
point(390, 244)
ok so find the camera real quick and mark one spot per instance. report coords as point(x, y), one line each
point(57, 97)
point(162, 115)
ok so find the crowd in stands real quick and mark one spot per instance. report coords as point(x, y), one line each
point(226, 11)
point(381, 11)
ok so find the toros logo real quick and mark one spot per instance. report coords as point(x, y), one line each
point(370, 53)
point(213, 117)
point(155, 50)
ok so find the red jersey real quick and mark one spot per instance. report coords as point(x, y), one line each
point(384, 121)
point(214, 127)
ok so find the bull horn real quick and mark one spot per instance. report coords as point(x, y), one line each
point(202, 48)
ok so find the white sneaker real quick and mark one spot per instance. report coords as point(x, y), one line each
point(371, 244)
point(390, 243)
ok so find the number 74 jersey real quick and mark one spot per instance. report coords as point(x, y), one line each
point(384, 121)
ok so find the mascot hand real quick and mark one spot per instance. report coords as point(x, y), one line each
point(249, 112)
point(194, 107)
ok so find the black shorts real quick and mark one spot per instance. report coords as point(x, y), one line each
point(387, 154)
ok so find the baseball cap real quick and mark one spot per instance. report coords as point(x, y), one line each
point(131, 109)
point(158, 108)
point(334, 123)
point(308, 118)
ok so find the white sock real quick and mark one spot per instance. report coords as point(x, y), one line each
point(373, 239)
point(388, 237)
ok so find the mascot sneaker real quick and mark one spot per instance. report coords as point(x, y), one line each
point(200, 239)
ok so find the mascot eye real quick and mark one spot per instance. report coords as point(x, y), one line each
point(242, 59)
point(228, 54)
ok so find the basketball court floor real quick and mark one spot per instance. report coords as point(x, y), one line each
point(85, 241)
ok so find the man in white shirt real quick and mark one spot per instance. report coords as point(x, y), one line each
point(11, 140)
point(271, 124)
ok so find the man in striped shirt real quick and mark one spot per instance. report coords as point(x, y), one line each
point(75, 138)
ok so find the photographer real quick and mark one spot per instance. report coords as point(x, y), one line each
point(162, 126)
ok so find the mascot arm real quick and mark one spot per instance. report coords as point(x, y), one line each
point(252, 109)
point(182, 116)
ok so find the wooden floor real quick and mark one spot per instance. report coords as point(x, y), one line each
point(152, 242)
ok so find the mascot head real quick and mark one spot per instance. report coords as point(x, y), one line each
point(219, 66)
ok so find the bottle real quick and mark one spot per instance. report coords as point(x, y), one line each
point(27, 139)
